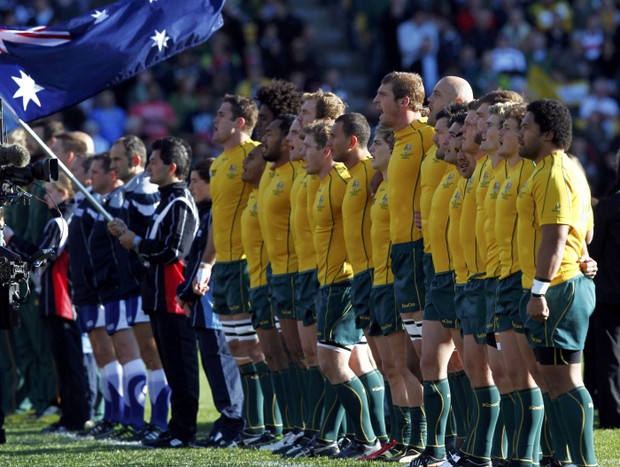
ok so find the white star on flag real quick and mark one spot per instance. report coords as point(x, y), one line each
point(100, 16)
point(27, 89)
point(160, 40)
point(151, 1)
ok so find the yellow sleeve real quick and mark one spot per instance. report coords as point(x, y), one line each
point(356, 214)
point(438, 225)
point(380, 234)
point(432, 173)
point(253, 244)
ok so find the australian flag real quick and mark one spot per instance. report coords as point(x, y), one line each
point(45, 70)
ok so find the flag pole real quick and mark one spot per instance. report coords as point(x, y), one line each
point(62, 166)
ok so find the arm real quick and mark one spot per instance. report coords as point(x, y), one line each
point(548, 261)
point(173, 240)
point(203, 277)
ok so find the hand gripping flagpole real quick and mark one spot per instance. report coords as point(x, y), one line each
point(108, 217)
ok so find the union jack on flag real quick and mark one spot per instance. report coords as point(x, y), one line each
point(45, 70)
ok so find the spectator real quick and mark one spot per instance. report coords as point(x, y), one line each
point(109, 116)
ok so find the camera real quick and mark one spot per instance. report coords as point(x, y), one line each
point(15, 173)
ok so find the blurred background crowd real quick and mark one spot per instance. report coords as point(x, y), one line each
point(545, 48)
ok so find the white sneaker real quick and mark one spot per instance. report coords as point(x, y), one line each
point(285, 441)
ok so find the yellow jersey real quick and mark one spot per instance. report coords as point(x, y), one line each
point(432, 172)
point(506, 217)
point(488, 214)
point(412, 142)
point(474, 256)
point(331, 254)
point(253, 245)
point(229, 197)
point(356, 215)
point(556, 193)
point(380, 234)
point(438, 224)
point(300, 224)
point(454, 239)
point(275, 219)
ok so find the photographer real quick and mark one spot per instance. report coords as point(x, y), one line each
point(56, 308)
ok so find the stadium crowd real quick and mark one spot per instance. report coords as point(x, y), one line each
point(352, 293)
point(540, 48)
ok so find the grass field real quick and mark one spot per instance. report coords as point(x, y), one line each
point(27, 447)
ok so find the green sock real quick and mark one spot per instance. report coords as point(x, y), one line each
point(401, 425)
point(450, 430)
point(273, 418)
point(418, 428)
point(507, 411)
point(498, 445)
point(315, 394)
point(253, 399)
point(375, 391)
point(576, 409)
point(297, 396)
point(333, 414)
point(528, 415)
point(437, 408)
point(482, 425)
point(556, 431)
point(389, 410)
point(354, 399)
point(279, 386)
point(546, 444)
point(458, 398)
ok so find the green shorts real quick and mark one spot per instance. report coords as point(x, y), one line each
point(335, 324)
point(230, 286)
point(306, 291)
point(490, 297)
point(408, 269)
point(440, 301)
point(475, 310)
point(518, 323)
point(282, 288)
point(459, 306)
point(384, 315)
point(360, 296)
point(570, 305)
point(429, 271)
point(509, 292)
point(260, 308)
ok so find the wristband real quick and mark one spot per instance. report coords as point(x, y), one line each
point(539, 288)
point(204, 264)
point(202, 275)
point(136, 241)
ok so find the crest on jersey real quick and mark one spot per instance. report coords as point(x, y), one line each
point(277, 191)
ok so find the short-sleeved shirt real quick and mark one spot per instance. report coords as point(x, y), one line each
point(488, 214)
point(439, 222)
point(356, 214)
point(331, 254)
point(275, 219)
point(506, 217)
point(454, 240)
point(380, 235)
point(253, 245)
point(557, 193)
point(432, 174)
point(300, 222)
point(230, 195)
point(472, 244)
point(412, 142)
